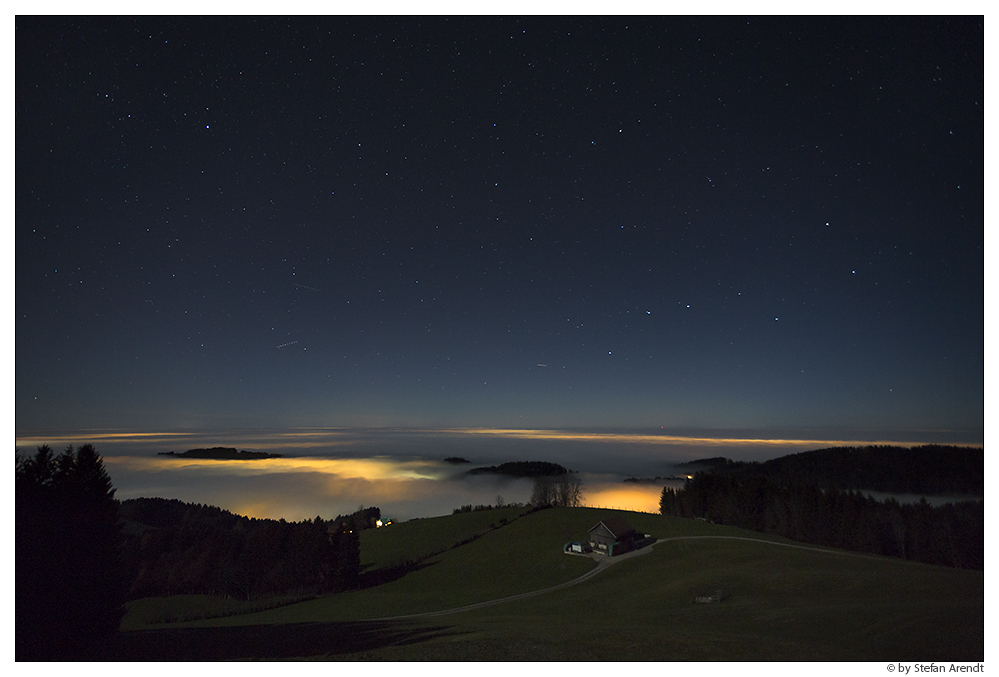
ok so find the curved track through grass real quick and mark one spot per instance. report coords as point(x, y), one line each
point(603, 563)
point(472, 599)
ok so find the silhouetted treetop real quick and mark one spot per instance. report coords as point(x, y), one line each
point(69, 578)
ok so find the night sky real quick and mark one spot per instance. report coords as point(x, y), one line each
point(529, 222)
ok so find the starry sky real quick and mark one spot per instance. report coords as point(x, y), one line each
point(619, 222)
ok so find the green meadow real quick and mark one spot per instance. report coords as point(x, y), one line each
point(780, 601)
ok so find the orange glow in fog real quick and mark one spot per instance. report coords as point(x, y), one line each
point(639, 497)
point(378, 468)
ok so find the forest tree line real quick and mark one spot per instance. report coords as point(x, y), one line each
point(171, 548)
point(810, 504)
point(930, 469)
point(80, 554)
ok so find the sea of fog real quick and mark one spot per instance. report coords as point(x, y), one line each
point(327, 472)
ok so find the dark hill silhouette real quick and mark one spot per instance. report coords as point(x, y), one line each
point(221, 454)
point(522, 469)
point(705, 462)
point(930, 469)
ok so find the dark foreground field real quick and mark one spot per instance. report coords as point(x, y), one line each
point(779, 602)
point(292, 640)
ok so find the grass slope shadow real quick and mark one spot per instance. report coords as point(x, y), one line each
point(279, 642)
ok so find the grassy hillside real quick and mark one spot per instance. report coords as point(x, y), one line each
point(414, 540)
point(780, 602)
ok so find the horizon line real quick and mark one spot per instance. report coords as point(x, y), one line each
point(579, 434)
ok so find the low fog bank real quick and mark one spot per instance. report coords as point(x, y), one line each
point(403, 490)
point(324, 487)
point(327, 472)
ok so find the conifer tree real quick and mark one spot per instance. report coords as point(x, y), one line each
point(69, 579)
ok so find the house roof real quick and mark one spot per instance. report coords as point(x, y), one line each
point(618, 526)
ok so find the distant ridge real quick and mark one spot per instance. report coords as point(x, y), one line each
point(522, 469)
point(220, 454)
point(930, 469)
point(705, 462)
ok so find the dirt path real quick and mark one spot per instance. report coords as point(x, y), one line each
point(605, 561)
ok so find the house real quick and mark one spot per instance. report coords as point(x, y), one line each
point(708, 599)
point(613, 536)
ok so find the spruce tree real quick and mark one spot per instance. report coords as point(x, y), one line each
point(69, 577)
